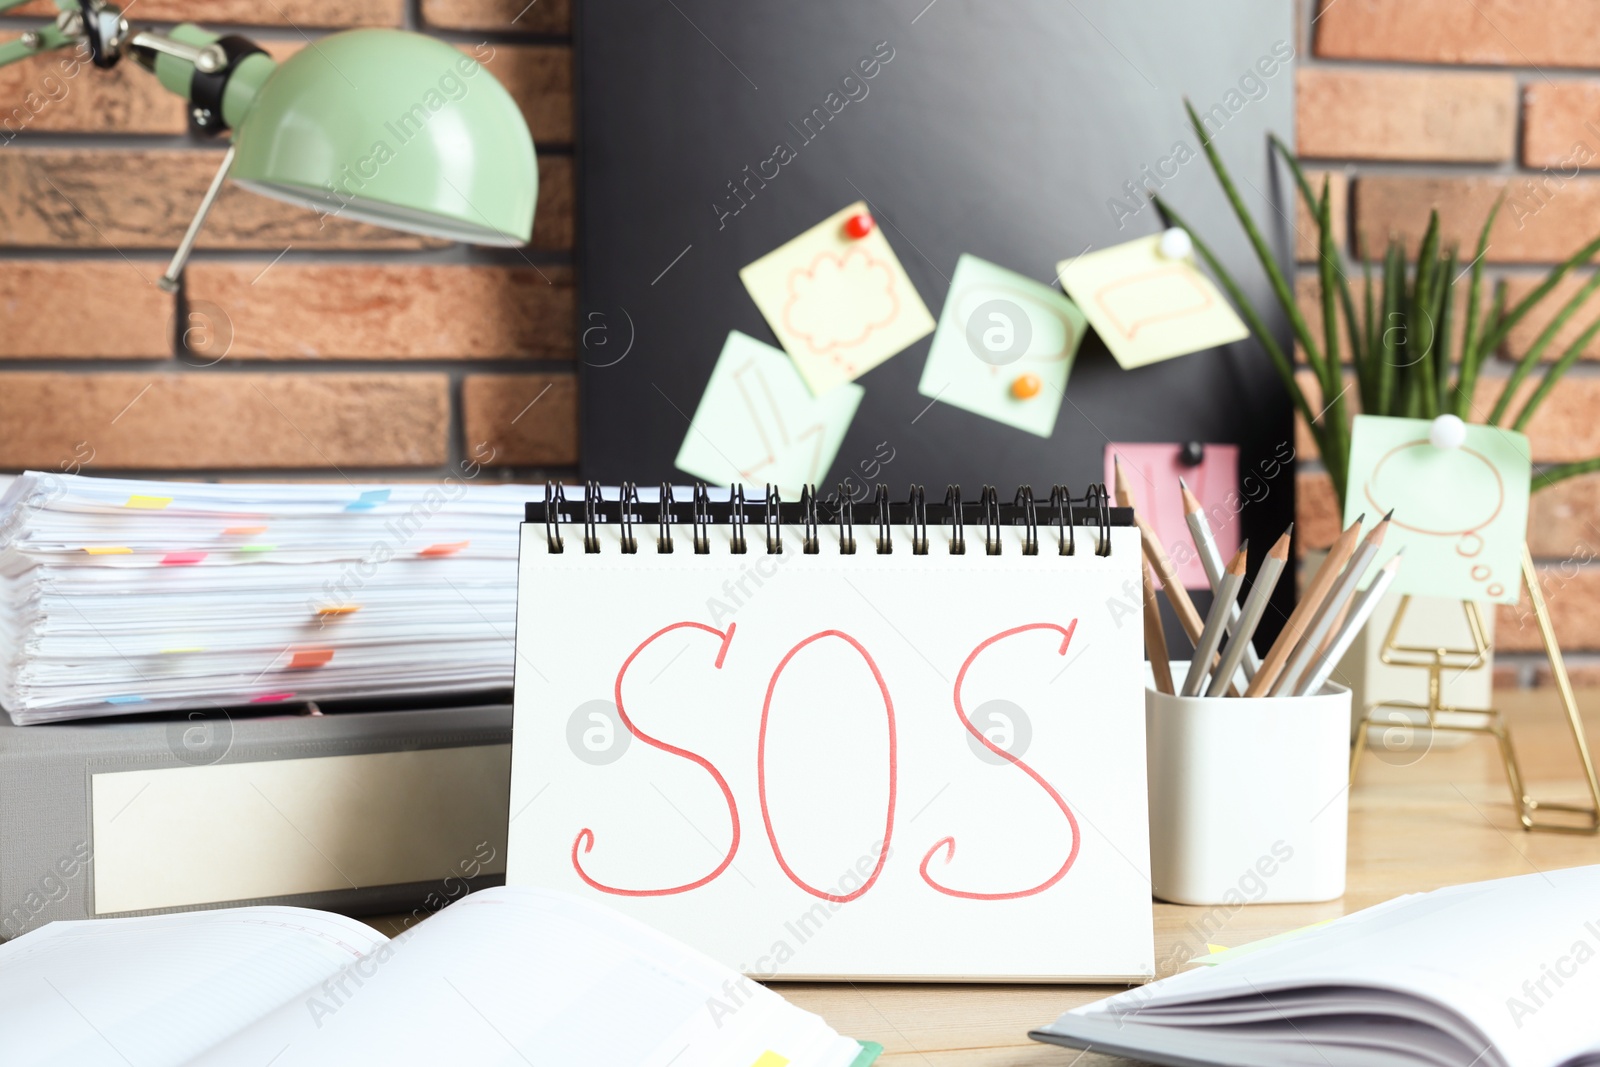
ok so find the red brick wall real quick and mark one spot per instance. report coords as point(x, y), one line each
point(295, 349)
point(1419, 104)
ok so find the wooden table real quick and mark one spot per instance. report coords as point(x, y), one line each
point(1445, 819)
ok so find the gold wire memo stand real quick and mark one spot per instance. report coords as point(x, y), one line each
point(1439, 716)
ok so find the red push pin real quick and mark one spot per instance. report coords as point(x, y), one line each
point(858, 226)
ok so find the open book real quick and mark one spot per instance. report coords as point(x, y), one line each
point(1492, 974)
point(502, 977)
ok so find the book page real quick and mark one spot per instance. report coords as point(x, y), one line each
point(157, 991)
point(518, 976)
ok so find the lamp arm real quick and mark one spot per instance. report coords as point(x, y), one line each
point(47, 38)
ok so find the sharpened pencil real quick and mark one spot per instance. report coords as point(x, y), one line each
point(1205, 649)
point(1205, 544)
point(1155, 638)
point(1316, 592)
point(1255, 606)
point(1289, 681)
point(1188, 617)
point(1359, 614)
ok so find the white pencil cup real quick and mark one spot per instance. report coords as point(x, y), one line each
point(1249, 798)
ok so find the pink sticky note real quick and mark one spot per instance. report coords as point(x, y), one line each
point(1153, 471)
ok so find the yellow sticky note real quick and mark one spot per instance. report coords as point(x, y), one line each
point(1148, 307)
point(148, 503)
point(840, 304)
point(771, 1059)
point(109, 550)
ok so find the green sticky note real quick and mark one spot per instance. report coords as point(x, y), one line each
point(759, 423)
point(996, 327)
point(1461, 514)
point(1147, 306)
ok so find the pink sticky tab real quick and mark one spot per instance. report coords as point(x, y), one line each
point(182, 559)
point(1153, 471)
point(311, 657)
point(446, 549)
point(272, 698)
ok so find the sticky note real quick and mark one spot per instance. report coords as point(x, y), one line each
point(1461, 514)
point(839, 304)
point(444, 549)
point(1153, 471)
point(244, 531)
point(257, 548)
point(368, 500)
point(109, 550)
point(338, 609)
point(1147, 307)
point(127, 699)
point(182, 559)
point(311, 657)
point(272, 698)
point(999, 327)
point(770, 1059)
point(758, 423)
point(148, 503)
point(181, 651)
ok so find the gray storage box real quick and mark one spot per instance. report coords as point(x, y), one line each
point(363, 812)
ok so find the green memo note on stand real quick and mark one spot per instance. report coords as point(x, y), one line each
point(1461, 514)
point(1004, 347)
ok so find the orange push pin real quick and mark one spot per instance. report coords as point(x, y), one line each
point(858, 226)
point(1026, 386)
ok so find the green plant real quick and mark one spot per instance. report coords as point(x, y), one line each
point(1403, 344)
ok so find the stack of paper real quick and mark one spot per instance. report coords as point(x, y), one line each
point(120, 596)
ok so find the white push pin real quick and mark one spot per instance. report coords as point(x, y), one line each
point(1448, 431)
point(1176, 244)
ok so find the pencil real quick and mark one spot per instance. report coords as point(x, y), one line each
point(1289, 681)
point(1205, 543)
point(1310, 601)
point(1205, 649)
point(1188, 617)
point(1359, 614)
point(1155, 640)
point(1255, 606)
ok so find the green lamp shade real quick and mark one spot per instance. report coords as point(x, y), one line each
point(396, 129)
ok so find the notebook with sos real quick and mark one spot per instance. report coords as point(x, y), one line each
point(825, 739)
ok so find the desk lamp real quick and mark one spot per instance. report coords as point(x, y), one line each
point(377, 125)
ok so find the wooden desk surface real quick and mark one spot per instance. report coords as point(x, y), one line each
point(1445, 819)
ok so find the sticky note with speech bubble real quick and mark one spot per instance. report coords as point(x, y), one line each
point(1147, 307)
point(1461, 514)
point(757, 423)
point(839, 304)
point(996, 327)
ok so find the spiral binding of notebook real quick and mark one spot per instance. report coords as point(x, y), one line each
point(637, 517)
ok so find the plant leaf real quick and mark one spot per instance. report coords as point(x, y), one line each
point(1472, 349)
point(1269, 264)
point(1553, 374)
point(1535, 352)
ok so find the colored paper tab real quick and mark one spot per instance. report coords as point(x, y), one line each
point(770, 1059)
point(370, 499)
point(148, 503)
point(1461, 514)
point(311, 657)
point(1212, 475)
point(757, 422)
point(272, 698)
point(998, 326)
point(109, 550)
point(182, 559)
point(839, 304)
point(244, 531)
point(178, 651)
point(445, 549)
point(257, 548)
point(338, 609)
point(129, 699)
point(1147, 307)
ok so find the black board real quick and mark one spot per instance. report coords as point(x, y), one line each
point(1010, 131)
